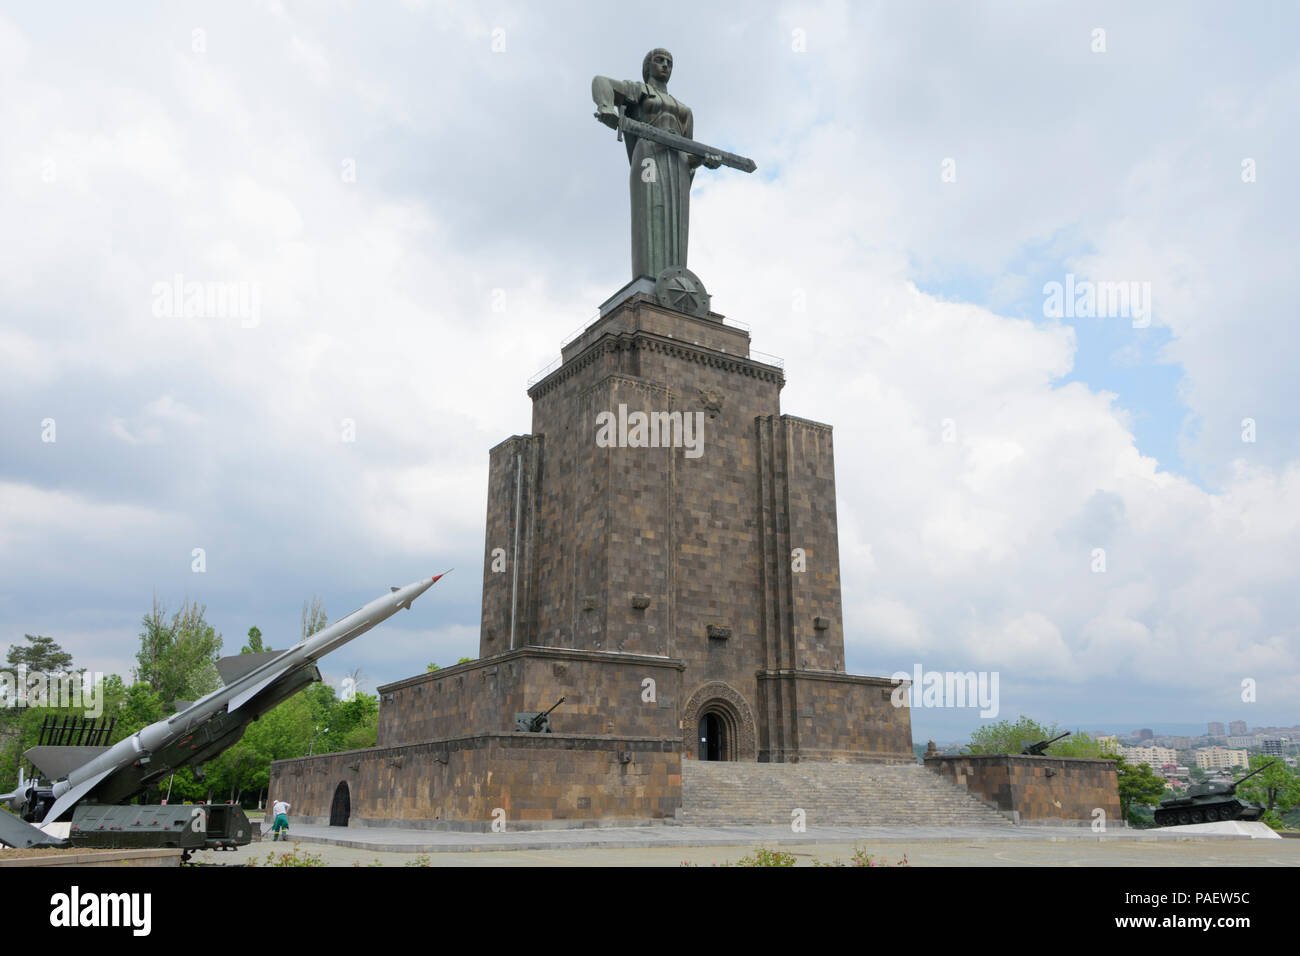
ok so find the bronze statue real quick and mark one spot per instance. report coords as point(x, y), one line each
point(659, 130)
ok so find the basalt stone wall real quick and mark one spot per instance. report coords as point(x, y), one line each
point(538, 780)
point(513, 475)
point(802, 627)
point(724, 563)
point(831, 717)
point(605, 693)
point(1038, 789)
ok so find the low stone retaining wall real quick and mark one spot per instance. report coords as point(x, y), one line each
point(1062, 790)
point(468, 783)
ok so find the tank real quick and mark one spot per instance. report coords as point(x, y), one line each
point(1210, 802)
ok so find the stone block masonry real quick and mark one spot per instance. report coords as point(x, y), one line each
point(519, 781)
point(1038, 789)
point(680, 590)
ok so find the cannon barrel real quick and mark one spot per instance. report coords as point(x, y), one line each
point(1036, 749)
point(539, 721)
point(1236, 783)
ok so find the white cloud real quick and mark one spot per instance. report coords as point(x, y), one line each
point(486, 174)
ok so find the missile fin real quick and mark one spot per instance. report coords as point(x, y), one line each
point(69, 799)
point(57, 762)
point(244, 697)
point(15, 833)
point(237, 665)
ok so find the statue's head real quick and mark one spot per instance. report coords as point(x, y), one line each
point(657, 63)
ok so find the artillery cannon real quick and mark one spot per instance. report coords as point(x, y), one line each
point(1210, 802)
point(535, 721)
point(1039, 748)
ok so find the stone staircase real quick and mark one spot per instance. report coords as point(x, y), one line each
point(832, 794)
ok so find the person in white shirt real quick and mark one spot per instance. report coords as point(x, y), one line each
point(280, 811)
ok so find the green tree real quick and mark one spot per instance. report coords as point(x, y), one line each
point(177, 658)
point(43, 655)
point(1005, 736)
point(254, 645)
point(466, 660)
point(1010, 737)
point(137, 707)
point(430, 667)
point(1138, 786)
point(1278, 788)
point(356, 722)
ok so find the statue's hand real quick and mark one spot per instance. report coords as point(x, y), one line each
point(712, 161)
point(608, 117)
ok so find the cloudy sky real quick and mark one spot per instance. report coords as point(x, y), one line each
point(419, 207)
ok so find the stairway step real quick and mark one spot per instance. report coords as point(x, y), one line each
point(715, 793)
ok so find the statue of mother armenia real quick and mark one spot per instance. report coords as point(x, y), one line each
point(659, 131)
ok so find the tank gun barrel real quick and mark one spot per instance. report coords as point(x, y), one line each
point(1236, 783)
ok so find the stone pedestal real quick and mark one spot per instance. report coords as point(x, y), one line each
point(661, 550)
point(706, 537)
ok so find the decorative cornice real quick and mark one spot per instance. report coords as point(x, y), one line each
point(832, 676)
point(640, 339)
point(807, 423)
point(536, 650)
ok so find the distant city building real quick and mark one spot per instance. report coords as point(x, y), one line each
point(1146, 733)
point(1155, 756)
point(1237, 727)
point(1243, 740)
point(1219, 758)
point(1216, 729)
point(1273, 746)
point(1108, 742)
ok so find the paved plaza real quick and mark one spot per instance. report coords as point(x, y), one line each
point(671, 846)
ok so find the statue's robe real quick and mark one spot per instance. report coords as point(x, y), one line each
point(659, 180)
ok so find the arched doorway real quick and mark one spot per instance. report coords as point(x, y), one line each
point(717, 724)
point(713, 737)
point(341, 808)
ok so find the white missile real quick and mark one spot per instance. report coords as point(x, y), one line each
point(245, 699)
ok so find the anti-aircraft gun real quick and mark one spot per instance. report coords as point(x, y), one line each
point(1210, 802)
point(1039, 748)
point(535, 721)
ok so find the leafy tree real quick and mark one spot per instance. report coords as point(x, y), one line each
point(1138, 785)
point(254, 645)
point(1080, 744)
point(1009, 737)
point(356, 722)
point(177, 659)
point(1005, 736)
point(137, 707)
point(432, 667)
point(466, 660)
point(43, 655)
point(1278, 788)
